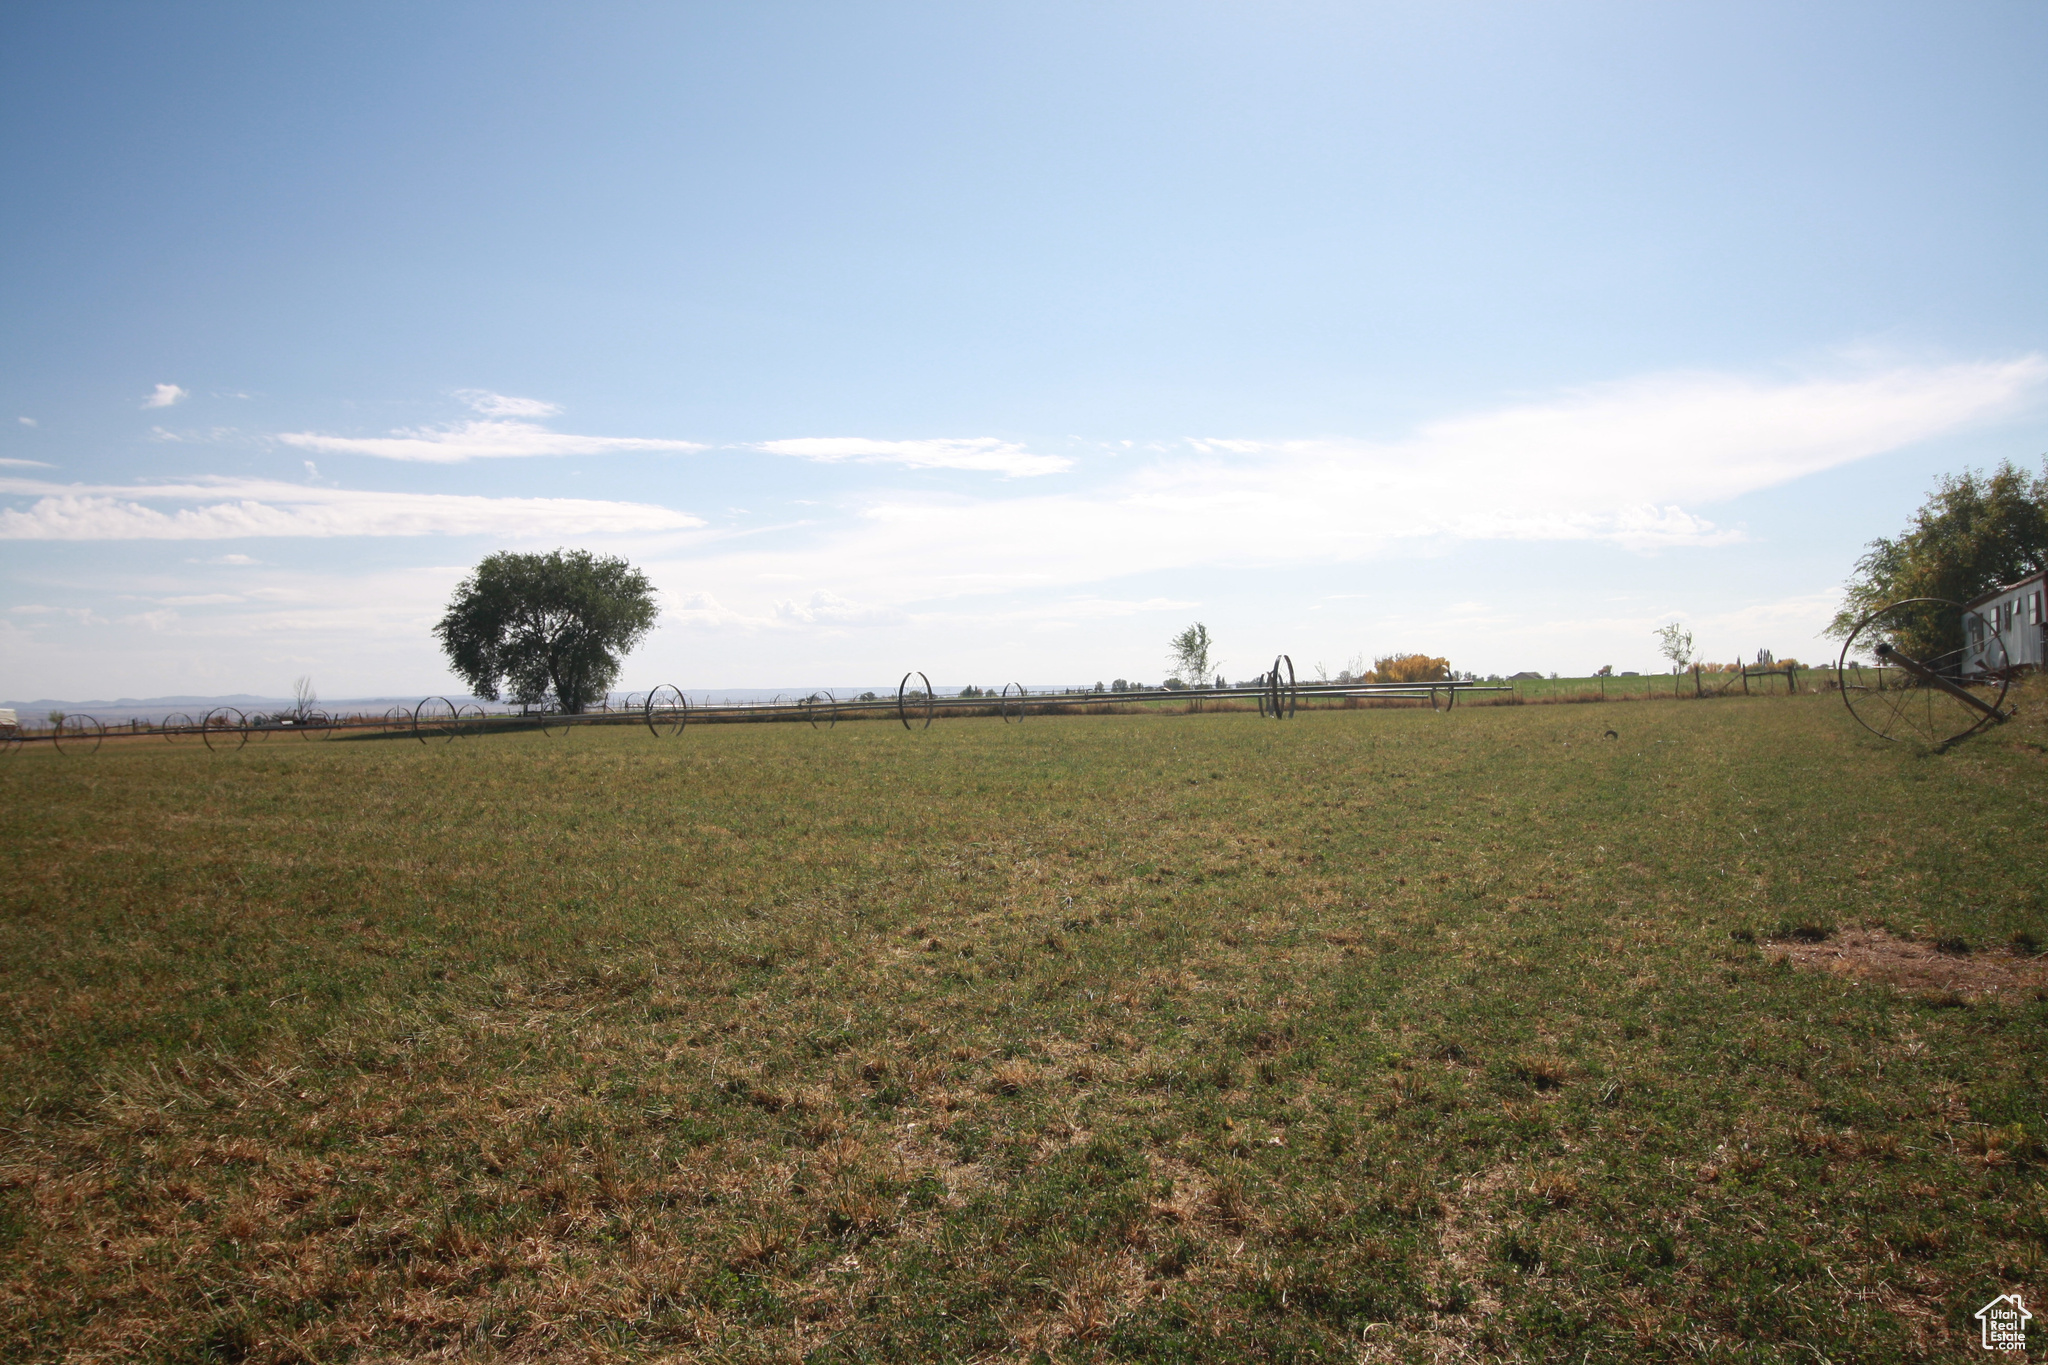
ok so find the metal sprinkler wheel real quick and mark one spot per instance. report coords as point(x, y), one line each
point(78, 735)
point(904, 698)
point(1278, 697)
point(1907, 673)
point(435, 718)
point(666, 710)
point(469, 718)
point(224, 727)
point(1011, 703)
point(822, 705)
point(176, 726)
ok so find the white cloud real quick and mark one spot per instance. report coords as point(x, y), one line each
point(83, 615)
point(23, 464)
point(1088, 609)
point(26, 421)
point(830, 609)
point(191, 435)
point(166, 396)
point(504, 405)
point(230, 508)
point(1632, 465)
point(489, 439)
point(985, 453)
point(705, 610)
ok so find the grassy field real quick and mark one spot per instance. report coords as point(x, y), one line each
point(1655, 687)
point(1376, 1034)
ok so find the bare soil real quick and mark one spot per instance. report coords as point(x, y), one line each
point(1918, 965)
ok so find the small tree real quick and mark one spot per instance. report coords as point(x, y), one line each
point(1190, 655)
point(304, 698)
point(555, 625)
point(1410, 668)
point(1605, 671)
point(1675, 643)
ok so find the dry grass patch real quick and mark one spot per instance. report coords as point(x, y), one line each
point(1917, 965)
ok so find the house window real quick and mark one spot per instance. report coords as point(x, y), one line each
point(2034, 608)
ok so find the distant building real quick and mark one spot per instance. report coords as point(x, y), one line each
point(1526, 675)
point(2019, 615)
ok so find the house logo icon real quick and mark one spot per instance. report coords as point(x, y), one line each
point(2005, 1321)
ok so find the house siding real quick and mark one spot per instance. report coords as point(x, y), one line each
point(2018, 612)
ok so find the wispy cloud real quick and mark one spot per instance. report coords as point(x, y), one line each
point(506, 431)
point(482, 440)
point(229, 509)
point(1685, 437)
point(504, 405)
point(166, 396)
point(830, 609)
point(985, 453)
point(1638, 465)
point(192, 436)
point(24, 464)
point(26, 421)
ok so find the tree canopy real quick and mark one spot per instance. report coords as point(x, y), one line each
point(555, 626)
point(1410, 668)
point(1190, 653)
point(1674, 642)
point(1976, 532)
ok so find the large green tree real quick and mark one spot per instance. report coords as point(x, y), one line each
point(556, 626)
point(1975, 532)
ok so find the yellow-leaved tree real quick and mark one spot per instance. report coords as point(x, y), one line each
point(1410, 668)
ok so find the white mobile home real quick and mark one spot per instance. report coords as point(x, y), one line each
point(2019, 614)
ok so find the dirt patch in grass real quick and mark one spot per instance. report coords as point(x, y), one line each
point(1918, 965)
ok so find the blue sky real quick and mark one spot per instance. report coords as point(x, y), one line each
point(998, 341)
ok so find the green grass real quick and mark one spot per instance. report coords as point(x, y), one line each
point(1375, 1033)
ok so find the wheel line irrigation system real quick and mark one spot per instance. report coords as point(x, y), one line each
point(665, 711)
